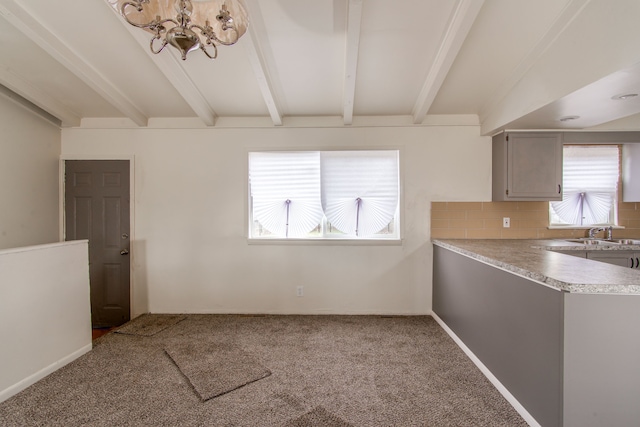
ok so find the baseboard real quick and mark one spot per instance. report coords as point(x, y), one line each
point(34, 378)
point(487, 373)
point(314, 312)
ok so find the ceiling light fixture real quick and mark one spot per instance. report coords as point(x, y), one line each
point(203, 25)
point(568, 118)
point(624, 96)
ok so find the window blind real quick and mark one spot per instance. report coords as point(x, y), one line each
point(359, 190)
point(285, 191)
point(590, 183)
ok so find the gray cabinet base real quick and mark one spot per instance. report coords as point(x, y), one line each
point(569, 359)
point(513, 325)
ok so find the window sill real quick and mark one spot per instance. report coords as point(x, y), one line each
point(326, 242)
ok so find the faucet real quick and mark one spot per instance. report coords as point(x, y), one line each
point(594, 230)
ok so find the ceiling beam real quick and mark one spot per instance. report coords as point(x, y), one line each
point(39, 99)
point(463, 17)
point(170, 66)
point(54, 46)
point(256, 54)
point(354, 20)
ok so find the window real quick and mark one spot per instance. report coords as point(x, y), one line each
point(324, 194)
point(590, 186)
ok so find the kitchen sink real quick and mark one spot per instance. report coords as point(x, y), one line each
point(588, 241)
point(591, 241)
point(626, 241)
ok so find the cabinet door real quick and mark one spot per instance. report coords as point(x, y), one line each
point(534, 168)
point(622, 258)
point(527, 166)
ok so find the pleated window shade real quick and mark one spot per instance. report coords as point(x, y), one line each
point(590, 185)
point(359, 190)
point(285, 192)
point(352, 194)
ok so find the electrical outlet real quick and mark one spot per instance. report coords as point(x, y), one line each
point(300, 291)
point(506, 222)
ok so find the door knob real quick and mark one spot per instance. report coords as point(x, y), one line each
point(124, 252)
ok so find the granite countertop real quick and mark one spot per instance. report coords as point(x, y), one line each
point(536, 260)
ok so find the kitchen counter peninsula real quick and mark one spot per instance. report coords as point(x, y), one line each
point(558, 335)
point(539, 260)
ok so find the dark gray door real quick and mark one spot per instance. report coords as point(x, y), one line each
point(97, 209)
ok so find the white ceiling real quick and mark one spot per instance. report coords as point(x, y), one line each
point(515, 64)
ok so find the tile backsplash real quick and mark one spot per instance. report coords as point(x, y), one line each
point(529, 220)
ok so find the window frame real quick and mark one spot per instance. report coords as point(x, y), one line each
point(613, 214)
point(330, 239)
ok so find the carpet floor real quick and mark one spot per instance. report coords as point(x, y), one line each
point(325, 371)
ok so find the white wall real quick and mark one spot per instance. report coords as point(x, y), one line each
point(600, 41)
point(190, 251)
point(45, 313)
point(29, 160)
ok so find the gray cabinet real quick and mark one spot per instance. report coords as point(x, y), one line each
point(570, 359)
point(527, 166)
point(510, 323)
point(628, 259)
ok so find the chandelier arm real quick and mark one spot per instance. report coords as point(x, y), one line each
point(164, 44)
point(211, 37)
point(215, 51)
point(214, 38)
point(156, 25)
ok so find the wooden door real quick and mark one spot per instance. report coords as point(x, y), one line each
point(97, 209)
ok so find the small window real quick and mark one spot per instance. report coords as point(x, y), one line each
point(590, 186)
point(324, 195)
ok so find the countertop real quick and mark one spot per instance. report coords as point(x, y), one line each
point(536, 260)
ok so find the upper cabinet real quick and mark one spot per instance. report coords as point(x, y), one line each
point(527, 166)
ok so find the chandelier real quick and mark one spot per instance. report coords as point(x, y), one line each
point(186, 25)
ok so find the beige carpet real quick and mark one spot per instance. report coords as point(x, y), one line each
point(149, 325)
point(318, 417)
point(345, 370)
point(215, 368)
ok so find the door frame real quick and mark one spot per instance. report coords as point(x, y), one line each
point(135, 307)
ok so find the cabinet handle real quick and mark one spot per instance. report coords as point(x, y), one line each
point(559, 189)
point(637, 262)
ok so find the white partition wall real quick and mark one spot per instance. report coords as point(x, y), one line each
point(45, 314)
